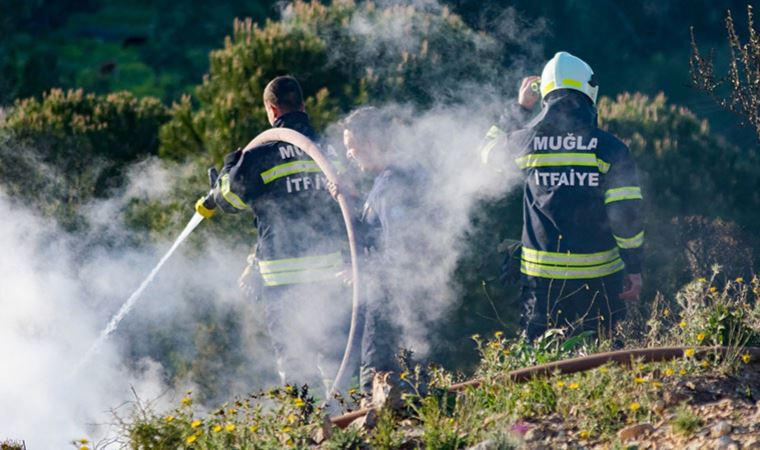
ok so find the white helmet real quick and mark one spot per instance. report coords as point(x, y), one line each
point(565, 71)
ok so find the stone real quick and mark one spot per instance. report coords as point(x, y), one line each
point(365, 422)
point(721, 428)
point(485, 445)
point(633, 432)
point(324, 431)
point(386, 392)
point(534, 434)
point(726, 443)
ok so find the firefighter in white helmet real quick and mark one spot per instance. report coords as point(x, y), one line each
point(583, 233)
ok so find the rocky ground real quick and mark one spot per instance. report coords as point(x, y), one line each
point(724, 413)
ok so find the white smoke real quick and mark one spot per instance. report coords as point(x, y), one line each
point(60, 289)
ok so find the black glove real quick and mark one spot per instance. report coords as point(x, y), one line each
point(206, 205)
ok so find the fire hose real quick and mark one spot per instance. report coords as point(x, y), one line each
point(574, 365)
point(310, 148)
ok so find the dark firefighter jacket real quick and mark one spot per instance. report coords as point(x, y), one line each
point(582, 200)
point(300, 230)
point(392, 212)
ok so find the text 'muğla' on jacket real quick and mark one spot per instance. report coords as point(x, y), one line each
point(300, 231)
point(582, 199)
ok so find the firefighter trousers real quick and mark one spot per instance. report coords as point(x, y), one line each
point(579, 305)
point(308, 327)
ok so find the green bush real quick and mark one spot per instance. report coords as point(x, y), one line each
point(689, 177)
point(339, 64)
point(70, 146)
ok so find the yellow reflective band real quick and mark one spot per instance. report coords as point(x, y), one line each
point(230, 196)
point(546, 88)
point(290, 168)
point(300, 276)
point(557, 159)
point(571, 273)
point(334, 260)
point(623, 193)
point(632, 242)
point(569, 259)
point(604, 166)
point(571, 82)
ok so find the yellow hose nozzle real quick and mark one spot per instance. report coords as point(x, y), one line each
point(201, 209)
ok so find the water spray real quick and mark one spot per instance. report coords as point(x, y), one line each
point(130, 303)
point(304, 143)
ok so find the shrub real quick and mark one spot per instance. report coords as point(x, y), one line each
point(344, 53)
point(70, 146)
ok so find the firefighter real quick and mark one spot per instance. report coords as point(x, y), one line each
point(300, 242)
point(583, 233)
point(388, 227)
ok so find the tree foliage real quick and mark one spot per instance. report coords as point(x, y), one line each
point(344, 54)
point(70, 146)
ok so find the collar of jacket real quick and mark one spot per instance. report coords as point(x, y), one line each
point(565, 110)
point(296, 120)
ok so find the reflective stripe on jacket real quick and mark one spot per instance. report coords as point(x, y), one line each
point(582, 198)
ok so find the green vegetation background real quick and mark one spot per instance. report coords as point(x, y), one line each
point(178, 81)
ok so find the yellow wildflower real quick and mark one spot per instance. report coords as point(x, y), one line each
point(669, 372)
point(666, 312)
point(560, 384)
point(169, 419)
point(740, 279)
point(84, 447)
point(746, 358)
point(299, 402)
point(705, 364)
point(292, 418)
point(689, 352)
point(351, 391)
point(635, 406)
point(682, 324)
point(84, 441)
point(702, 280)
point(187, 401)
point(700, 337)
point(499, 334)
point(573, 386)
point(192, 438)
point(404, 375)
point(583, 434)
point(195, 423)
point(639, 380)
point(230, 427)
point(253, 428)
point(713, 289)
point(604, 370)
point(217, 428)
point(656, 384)
point(682, 372)
point(286, 429)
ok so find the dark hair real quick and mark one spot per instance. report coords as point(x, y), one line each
point(285, 93)
point(368, 124)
